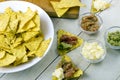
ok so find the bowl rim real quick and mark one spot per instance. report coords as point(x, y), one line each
point(105, 37)
point(101, 44)
point(36, 60)
point(89, 32)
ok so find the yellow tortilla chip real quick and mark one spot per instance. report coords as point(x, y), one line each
point(23, 60)
point(4, 19)
point(17, 42)
point(13, 22)
point(13, 25)
point(26, 17)
point(19, 52)
point(28, 26)
point(70, 3)
point(2, 54)
point(59, 11)
point(42, 48)
point(64, 60)
point(31, 54)
point(34, 43)
point(28, 35)
point(8, 11)
point(103, 5)
point(3, 44)
point(36, 20)
point(7, 60)
point(62, 32)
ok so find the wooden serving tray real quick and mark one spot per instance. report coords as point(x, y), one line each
point(45, 4)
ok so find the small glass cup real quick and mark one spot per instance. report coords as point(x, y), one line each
point(109, 30)
point(94, 60)
point(100, 22)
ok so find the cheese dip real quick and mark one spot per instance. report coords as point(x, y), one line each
point(92, 51)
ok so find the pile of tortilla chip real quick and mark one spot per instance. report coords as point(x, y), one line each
point(63, 6)
point(21, 38)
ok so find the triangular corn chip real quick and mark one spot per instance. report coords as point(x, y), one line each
point(62, 32)
point(99, 5)
point(2, 54)
point(70, 3)
point(59, 11)
point(3, 44)
point(36, 20)
point(42, 48)
point(7, 60)
point(24, 18)
point(4, 19)
point(34, 43)
point(28, 35)
point(64, 61)
point(19, 52)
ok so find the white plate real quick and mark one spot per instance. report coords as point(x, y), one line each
point(46, 26)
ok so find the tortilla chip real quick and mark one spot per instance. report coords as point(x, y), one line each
point(62, 32)
point(3, 44)
point(25, 59)
point(4, 19)
point(28, 26)
point(34, 43)
point(42, 48)
point(36, 20)
point(19, 52)
point(28, 35)
point(70, 3)
point(31, 54)
point(13, 23)
point(94, 10)
point(65, 59)
point(24, 18)
point(59, 11)
point(7, 60)
point(17, 42)
point(8, 11)
point(2, 54)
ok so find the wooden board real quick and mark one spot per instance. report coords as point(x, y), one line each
point(1, 0)
point(45, 4)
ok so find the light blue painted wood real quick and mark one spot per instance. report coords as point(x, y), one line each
point(108, 69)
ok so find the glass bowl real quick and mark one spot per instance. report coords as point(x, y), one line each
point(88, 49)
point(100, 22)
point(110, 30)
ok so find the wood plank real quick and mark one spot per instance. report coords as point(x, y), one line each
point(2, 0)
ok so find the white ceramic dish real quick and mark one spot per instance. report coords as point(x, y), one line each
point(46, 26)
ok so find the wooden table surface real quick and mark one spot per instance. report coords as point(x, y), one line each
point(108, 69)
